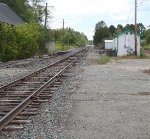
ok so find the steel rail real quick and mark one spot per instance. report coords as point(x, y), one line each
point(37, 71)
point(13, 113)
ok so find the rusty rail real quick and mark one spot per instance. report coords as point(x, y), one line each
point(21, 106)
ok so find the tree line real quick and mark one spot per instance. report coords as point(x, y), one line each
point(69, 36)
point(26, 40)
point(102, 31)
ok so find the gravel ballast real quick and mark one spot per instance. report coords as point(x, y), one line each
point(108, 101)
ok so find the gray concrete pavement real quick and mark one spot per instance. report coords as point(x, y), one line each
point(112, 101)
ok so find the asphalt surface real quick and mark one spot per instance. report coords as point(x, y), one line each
point(112, 101)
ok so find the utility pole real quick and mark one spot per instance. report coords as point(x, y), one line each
point(68, 36)
point(46, 14)
point(135, 28)
point(63, 24)
point(63, 35)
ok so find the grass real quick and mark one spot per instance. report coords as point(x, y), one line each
point(125, 57)
point(104, 60)
point(59, 47)
point(143, 56)
point(148, 46)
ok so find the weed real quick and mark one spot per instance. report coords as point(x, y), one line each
point(104, 60)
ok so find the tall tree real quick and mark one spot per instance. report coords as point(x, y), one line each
point(129, 27)
point(70, 36)
point(38, 9)
point(101, 32)
point(112, 29)
point(140, 27)
point(100, 25)
point(119, 27)
point(147, 36)
point(141, 30)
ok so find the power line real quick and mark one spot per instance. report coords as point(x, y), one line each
point(135, 31)
point(130, 11)
point(46, 14)
point(140, 3)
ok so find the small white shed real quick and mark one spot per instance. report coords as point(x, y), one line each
point(124, 43)
point(108, 44)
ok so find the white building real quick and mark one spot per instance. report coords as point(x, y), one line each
point(108, 44)
point(124, 43)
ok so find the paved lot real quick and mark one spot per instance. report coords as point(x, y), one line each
point(112, 101)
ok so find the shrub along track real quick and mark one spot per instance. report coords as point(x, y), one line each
point(12, 70)
point(30, 61)
point(21, 98)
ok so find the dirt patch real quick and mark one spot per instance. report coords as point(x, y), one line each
point(147, 71)
point(144, 93)
point(92, 61)
point(147, 52)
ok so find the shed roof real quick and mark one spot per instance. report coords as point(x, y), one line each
point(108, 41)
point(125, 32)
point(7, 15)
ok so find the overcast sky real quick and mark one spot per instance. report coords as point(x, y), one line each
point(82, 15)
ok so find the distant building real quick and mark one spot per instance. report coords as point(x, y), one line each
point(7, 15)
point(108, 44)
point(124, 43)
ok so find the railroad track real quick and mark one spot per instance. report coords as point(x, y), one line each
point(28, 62)
point(21, 98)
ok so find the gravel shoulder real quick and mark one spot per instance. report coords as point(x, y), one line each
point(112, 101)
point(19, 68)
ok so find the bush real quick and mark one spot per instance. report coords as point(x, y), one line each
point(18, 42)
point(147, 36)
point(104, 60)
point(142, 52)
point(8, 44)
point(44, 37)
point(27, 40)
point(143, 43)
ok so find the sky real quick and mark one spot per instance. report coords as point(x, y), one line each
point(82, 15)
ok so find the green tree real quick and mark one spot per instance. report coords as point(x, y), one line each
point(141, 30)
point(129, 27)
point(119, 27)
point(147, 36)
point(69, 36)
point(101, 32)
point(112, 29)
point(100, 25)
point(8, 50)
point(27, 40)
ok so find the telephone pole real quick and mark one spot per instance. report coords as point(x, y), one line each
point(46, 14)
point(135, 28)
point(63, 27)
point(63, 34)
point(63, 24)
